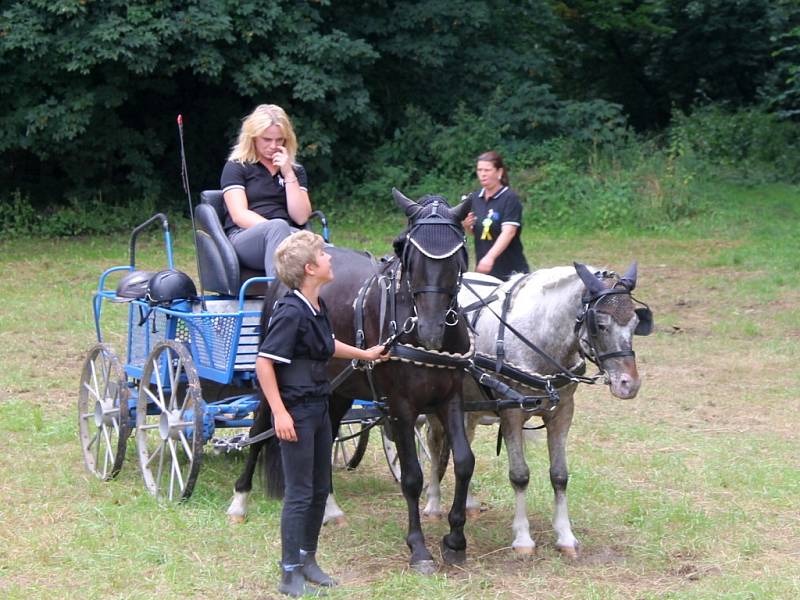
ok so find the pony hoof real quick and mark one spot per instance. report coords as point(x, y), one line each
point(424, 567)
point(453, 557)
point(339, 521)
point(433, 516)
point(568, 552)
point(236, 519)
point(524, 550)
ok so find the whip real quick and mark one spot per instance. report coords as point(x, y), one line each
point(185, 182)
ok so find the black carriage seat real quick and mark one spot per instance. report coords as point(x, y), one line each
point(220, 270)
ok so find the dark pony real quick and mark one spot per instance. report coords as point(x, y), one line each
point(410, 302)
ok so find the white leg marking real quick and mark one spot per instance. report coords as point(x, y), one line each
point(523, 542)
point(332, 511)
point(237, 511)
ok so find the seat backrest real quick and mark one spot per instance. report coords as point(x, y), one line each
point(215, 199)
point(220, 270)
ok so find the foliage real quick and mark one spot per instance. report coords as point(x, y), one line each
point(92, 88)
point(654, 55)
point(77, 217)
point(748, 144)
point(383, 93)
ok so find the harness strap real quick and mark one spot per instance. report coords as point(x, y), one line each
point(536, 381)
point(562, 370)
point(500, 341)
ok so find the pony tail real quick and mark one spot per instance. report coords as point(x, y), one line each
point(272, 469)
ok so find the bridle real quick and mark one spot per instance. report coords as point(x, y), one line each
point(416, 237)
point(588, 317)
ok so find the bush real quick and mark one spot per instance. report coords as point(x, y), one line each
point(749, 144)
point(77, 217)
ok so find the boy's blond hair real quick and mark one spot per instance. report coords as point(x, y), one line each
point(294, 253)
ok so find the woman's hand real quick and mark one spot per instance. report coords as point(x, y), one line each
point(281, 160)
point(284, 427)
point(469, 221)
point(485, 265)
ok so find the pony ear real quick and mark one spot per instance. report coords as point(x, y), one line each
point(409, 207)
point(459, 213)
point(594, 285)
point(629, 279)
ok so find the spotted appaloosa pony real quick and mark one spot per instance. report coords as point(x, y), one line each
point(412, 296)
point(569, 313)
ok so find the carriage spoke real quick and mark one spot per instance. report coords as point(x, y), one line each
point(107, 438)
point(176, 466)
point(108, 455)
point(187, 448)
point(95, 437)
point(155, 398)
point(160, 471)
point(96, 387)
point(173, 380)
point(92, 392)
point(97, 449)
point(155, 453)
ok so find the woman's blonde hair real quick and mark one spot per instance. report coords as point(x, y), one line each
point(294, 253)
point(254, 124)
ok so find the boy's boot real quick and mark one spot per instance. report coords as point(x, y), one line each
point(293, 583)
point(312, 572)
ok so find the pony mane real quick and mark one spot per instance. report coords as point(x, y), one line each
point(543, 279)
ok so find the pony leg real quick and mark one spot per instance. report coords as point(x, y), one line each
point(436, 446)
point(411, 484)
point(237, 511)
point(512, 421)
point(454, 544)
point(339, 406)
point(557, 430)
point(333, 512)
point(473, 506)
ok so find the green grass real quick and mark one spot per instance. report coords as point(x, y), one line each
point(689, 491)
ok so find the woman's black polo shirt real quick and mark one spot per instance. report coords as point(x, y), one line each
point(297, 331)
point(266, 194)
point(504, 208)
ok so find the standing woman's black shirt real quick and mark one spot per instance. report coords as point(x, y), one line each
point(504, 208)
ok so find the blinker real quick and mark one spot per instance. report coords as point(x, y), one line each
point(645, 325)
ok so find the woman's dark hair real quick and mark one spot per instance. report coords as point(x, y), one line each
point(496, 160)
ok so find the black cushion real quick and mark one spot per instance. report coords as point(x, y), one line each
point(219, 266)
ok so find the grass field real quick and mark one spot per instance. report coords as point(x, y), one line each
point(689, 491)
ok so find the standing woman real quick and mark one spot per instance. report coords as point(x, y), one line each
point(495, 220)
point(265, 190)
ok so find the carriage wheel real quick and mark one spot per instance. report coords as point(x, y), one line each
point(423, 453)
point(103, 413)
point(169, 422)
point(347, 453)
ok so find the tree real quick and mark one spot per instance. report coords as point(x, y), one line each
point(91, 89)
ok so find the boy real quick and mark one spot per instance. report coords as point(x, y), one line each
point(291, 371)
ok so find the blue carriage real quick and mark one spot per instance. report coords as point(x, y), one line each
point(177, 346)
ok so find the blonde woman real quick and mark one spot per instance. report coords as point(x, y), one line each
point(265, 190)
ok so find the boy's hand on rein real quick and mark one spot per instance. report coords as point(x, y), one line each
point(377, 353)
point(284, 427)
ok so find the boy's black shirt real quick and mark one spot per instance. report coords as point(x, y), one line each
point(297, 331)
